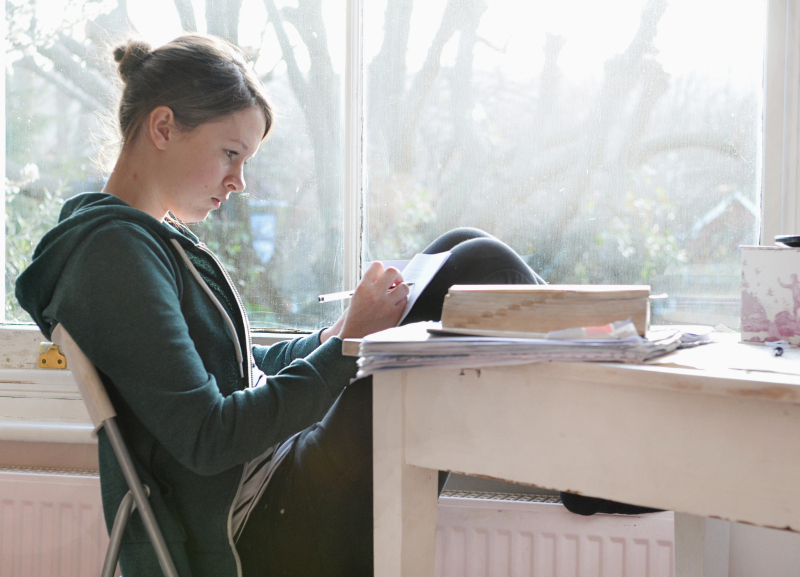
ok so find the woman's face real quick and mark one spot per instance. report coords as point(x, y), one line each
point(207, 163)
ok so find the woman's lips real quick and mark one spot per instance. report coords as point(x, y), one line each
point(218, 200)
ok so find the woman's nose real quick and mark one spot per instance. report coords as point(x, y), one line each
point(236, 181)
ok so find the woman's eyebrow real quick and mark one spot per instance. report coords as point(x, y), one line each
point(240, 143)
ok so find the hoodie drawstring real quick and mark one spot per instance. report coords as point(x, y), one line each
point(215, 300)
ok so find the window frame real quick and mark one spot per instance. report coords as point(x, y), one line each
point(780, 205)
point(780, 153)
point(355, 186)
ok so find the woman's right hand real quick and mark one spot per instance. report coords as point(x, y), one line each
point(375, 306)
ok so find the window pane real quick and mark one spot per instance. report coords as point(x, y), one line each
point(282, 240)
point(607, 142)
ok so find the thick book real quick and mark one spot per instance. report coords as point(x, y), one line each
point(544, 308)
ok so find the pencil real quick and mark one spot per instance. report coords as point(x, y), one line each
point(343, 295)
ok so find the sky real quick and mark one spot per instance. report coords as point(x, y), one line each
point(721, 38)
point(700, 36)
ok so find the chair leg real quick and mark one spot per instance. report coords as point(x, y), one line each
point(124, 511)
point(140, 498)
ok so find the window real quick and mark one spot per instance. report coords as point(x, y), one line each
point(614, 142)
point(282, 240)
point(607, 142)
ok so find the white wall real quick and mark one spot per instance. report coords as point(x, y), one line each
point(759, 552)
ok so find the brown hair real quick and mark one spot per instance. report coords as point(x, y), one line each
point(200, 78)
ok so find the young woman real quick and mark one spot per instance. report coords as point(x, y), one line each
point(258, 459)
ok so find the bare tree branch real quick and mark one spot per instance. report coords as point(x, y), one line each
point(456, 14)
point(551, 76)
point(86, 100)
point(386, 78)
point(222, 17)
point(86, 52)
point(621, 77)
point(111, 26)
point(256, 52)
point(389, 64)
point(319, 99)
point(492, 46)
point(307, 20)
point(467, 181)
point(655, 84)
point(95, 58)
point(186, 14)
point(296, 79)
point(83, 78)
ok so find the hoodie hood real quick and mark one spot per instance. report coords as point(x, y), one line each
point(79, 216)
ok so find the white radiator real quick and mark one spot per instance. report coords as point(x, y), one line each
point(494, 538)
point(51, 525)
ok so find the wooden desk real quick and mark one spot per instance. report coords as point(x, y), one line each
point(722, 444)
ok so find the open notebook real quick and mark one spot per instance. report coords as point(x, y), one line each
point(420, 271)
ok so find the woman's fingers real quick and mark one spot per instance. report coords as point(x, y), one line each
point(390, 277)
point(400, 293)
point(377, 280)
point(373, 272)
point(378, 302)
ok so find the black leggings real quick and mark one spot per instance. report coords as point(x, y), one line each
point(476, 258)
point(315, 518)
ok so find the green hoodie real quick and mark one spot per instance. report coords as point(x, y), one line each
point(111, 275)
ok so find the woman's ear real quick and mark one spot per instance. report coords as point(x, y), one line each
point(161, 126)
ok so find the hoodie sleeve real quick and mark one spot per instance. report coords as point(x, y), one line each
point(120, 298)
point(274, 358)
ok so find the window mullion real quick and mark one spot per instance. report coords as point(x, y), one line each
point(4, 29)
point(354, 117)
point(781, 128)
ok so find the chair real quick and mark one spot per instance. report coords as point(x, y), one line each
point(103, 415)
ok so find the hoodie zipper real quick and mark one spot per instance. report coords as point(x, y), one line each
point(245, 322)
point(229, 524)
point(248, 356)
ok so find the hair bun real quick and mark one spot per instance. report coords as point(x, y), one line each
point(130, 56)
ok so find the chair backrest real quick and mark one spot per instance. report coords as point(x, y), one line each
point(102, 414)
point(89, 384)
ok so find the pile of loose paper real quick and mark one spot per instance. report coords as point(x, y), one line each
point(427, 345)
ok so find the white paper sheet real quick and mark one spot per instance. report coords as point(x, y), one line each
point(420, 271)
point(398, 264)
point(730, 353)
point(421, 344)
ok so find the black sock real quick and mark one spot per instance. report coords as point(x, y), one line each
point(582, 505)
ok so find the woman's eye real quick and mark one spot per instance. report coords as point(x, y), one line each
point(231, 153)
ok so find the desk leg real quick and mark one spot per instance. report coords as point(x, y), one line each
point(405, 499)
point(702, 546)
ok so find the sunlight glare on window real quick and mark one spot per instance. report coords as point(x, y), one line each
point(282, 240)
point(608, 142)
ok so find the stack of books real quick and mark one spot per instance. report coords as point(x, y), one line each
point(492, 325)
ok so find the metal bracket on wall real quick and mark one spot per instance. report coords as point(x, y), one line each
point(50, 357)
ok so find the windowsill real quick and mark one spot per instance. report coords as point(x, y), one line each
point(44, 406)
point(33, 431)
point(19, 345)
point(38, 405)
